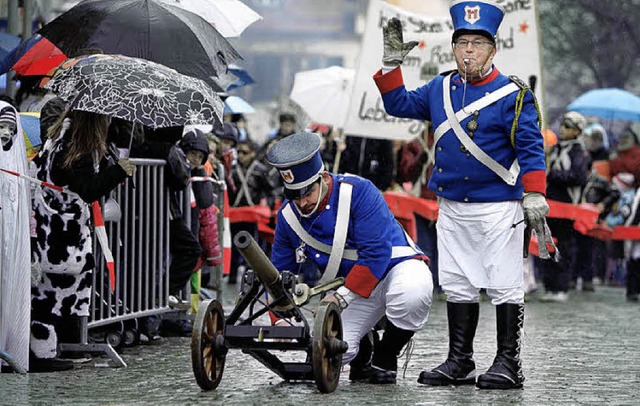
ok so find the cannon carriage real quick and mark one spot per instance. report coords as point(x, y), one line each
point(214, 334)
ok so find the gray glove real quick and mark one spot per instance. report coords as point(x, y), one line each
point(394, 49)
point(535, 209)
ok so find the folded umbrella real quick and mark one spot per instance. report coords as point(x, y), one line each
point(135, 90)
point(149, 29)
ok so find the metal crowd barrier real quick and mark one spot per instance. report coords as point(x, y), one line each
point(139, 242)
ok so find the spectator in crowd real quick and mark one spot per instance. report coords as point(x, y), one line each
point(370, 158)
point(240, 121)
point(76, 156)
point(474, 187)
point(626, 213)
point(227, 134)
point(383, 269)
point(15, 250)
point(591, 256)
point(566, 177)
point(255, 186)
point(628, 155)
point(596, 138)
point(204, 222)
point(184, 246)
point(287, 127)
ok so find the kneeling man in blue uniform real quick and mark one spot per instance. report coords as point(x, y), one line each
point(343, 224)
point(489, 175)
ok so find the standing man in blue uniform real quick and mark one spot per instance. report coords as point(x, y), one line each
point(343, 224)
point(489, 176)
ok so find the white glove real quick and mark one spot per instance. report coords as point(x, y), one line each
point(535, 208)
point(394, 48)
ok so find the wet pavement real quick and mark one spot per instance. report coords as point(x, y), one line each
point(586, 351)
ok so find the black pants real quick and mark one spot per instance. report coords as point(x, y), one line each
point(185, 251)
point(591, 258)
point(633, 277)
point(557, 275)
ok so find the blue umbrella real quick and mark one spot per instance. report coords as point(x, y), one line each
point(7, 43)
point(609, 103)
point(237, 105)
point(10, 59)
point(31, 126)
point(243, 77)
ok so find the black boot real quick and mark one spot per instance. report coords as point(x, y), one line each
point(506, 371)
point(360, 366)
point(459, 367)
point(386, 352)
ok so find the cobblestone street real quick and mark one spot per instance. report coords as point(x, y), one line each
point(582, 352)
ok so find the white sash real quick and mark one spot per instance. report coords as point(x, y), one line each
point(337, 251)
point(510, 176)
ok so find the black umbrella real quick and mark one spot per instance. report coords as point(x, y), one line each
point(135, 90)
point(147, 29)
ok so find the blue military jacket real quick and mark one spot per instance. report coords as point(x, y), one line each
point(373, 231)
point(457, 174)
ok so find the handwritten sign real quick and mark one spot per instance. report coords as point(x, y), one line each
point(518, 54)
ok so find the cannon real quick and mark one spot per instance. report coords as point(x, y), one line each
point(214, 334)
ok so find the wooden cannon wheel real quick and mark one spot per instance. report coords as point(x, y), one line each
point(328, 347)
point(208, 351)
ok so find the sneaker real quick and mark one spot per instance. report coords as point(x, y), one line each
point(178, 304)
point(556, 297)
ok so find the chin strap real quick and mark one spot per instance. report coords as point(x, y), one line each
point(320, 197)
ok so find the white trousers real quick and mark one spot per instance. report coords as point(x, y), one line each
point(480, 245)
point(404, 296)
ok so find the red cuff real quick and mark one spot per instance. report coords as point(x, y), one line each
point(389, 81)
point(361, 281)
point(535, 181)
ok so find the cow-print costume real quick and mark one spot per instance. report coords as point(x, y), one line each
point(59, 299)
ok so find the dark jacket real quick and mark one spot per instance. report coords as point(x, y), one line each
point(567, 171)
point(369, 158)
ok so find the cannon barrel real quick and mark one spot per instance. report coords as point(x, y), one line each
point(264, 269)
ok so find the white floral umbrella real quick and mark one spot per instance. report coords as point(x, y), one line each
point(229, 17)
point(135, 90)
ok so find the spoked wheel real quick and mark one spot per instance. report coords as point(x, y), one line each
point(328, 347)
point(208, 350)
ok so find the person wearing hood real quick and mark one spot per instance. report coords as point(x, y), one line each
point(566, 178)
point(489, 170)
point(628, 156)
point(15, 264)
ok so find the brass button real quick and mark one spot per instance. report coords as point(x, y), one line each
point(439, 188)
point(466, 178)
point(440, 170)
point(466, 199)
point(468, 155)
point(439, 148)
point(470, 134)
point(463, 149)
point(453, 87)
